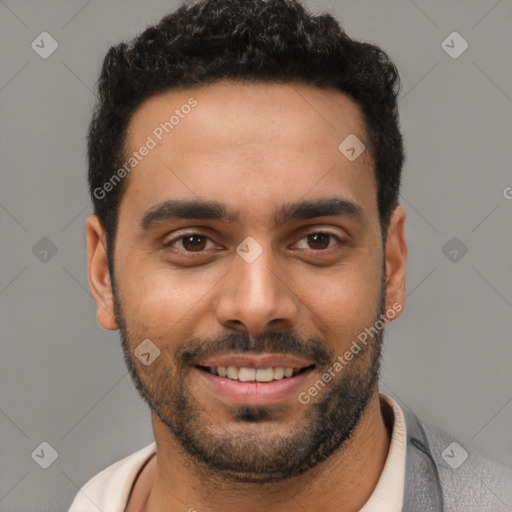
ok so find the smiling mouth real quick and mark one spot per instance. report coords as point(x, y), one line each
point(260, 375)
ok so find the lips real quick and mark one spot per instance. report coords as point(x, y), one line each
point(255, 379)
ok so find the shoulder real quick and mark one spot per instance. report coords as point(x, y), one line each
point(469, 481)
point(110, 488)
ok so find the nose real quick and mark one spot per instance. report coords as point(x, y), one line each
point(256, 296)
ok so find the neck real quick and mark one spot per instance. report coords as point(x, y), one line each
point(342, 483)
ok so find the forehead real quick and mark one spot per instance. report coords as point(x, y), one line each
point(246, 142)
point(250, 113)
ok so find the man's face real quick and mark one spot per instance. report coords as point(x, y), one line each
point(283, 290)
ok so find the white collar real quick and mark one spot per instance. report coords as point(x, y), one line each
point(388, 495)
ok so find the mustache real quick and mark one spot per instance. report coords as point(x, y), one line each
point(287, 343)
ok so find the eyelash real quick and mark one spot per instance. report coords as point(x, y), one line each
point(340, 241)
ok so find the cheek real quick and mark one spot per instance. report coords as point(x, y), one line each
point(343, 303)
point(158, 300)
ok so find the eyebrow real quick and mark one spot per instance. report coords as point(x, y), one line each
point(173, 209)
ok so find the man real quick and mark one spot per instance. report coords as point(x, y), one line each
point(244, 165)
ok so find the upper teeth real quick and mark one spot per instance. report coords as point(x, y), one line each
point(252, 374)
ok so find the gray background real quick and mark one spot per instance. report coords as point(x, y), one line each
point(63, 379)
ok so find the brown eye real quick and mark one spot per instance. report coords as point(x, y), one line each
point(193, 243)
point(319, 241)
point(189, 243)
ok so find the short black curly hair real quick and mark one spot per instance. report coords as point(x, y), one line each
point(272, 41)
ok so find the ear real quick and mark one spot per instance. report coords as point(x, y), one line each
point(396, 262)
point(98, 273)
